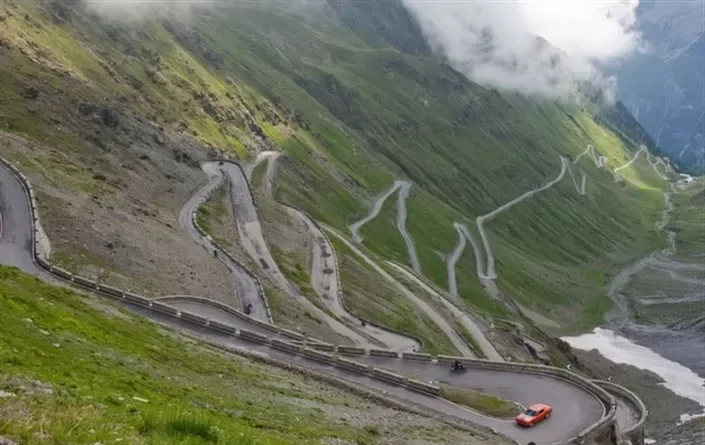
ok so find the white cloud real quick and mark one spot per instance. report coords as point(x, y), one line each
point(494, 42)
point(131, 10)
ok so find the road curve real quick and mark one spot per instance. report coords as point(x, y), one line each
point(420, 303)
point(253, 241)
point(576, 408)
point(245, 285)
point(401, 227)
point(376, 208)
point(16, 229)
point(325, 274)
point(462, 317)
point(453, 261)
point(490, 271)
point(404, 187)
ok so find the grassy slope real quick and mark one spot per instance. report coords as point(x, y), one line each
point(382, 303)
point(688, 221)
point(354, 116)
point(114, 375)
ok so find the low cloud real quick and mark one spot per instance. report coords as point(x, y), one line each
point(136, 10)
point(544, 48)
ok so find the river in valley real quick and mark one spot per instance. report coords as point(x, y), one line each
point(672, 344)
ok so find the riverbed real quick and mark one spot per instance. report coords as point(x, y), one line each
point(676, 353)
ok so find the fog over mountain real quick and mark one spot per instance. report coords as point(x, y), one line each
point(542, 48)
point(647, 54)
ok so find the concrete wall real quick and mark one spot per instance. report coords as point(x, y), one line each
point(416, 356)
point(165, 308)
point(352, 365)
point(222, 327)
point(383, 353)
point(253, 336)
point(390, 377)
point(636, 432)
point(137, 299)
point(194, 318)
point(351, 350)
point(109, 290)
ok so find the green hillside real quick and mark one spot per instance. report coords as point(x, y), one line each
point(74, 369)
point(353, 97)
point(688, 221)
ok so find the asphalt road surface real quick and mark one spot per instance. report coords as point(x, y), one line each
point(245, 285)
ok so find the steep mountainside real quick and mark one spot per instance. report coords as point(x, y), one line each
point(665, 87)
point(120, 115)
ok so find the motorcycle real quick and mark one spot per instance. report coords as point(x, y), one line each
point(458, 368)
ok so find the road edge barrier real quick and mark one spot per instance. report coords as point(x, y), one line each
point(634, 433)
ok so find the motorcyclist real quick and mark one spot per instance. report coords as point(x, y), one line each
point(457, 366)
point(248, 309)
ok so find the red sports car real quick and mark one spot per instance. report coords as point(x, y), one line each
point(534, 414)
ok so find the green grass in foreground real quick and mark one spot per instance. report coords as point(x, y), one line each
point(84, 372)
point(484, 403)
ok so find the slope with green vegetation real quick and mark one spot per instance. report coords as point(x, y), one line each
point(74, 369)
point(688, 222)
point(354, 97)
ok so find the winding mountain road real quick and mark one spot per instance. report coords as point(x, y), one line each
point(490, 272)
point(253, 241)
point(325, 274)
point(245, 285)
point(461, 316)
point(575, 408)
point(441, 322)
point(404, 187)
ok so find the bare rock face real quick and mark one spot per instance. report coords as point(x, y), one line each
point(4, 441)
point(30, 93)
point(101, 114)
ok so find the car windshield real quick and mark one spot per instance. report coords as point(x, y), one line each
point(530, 412)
